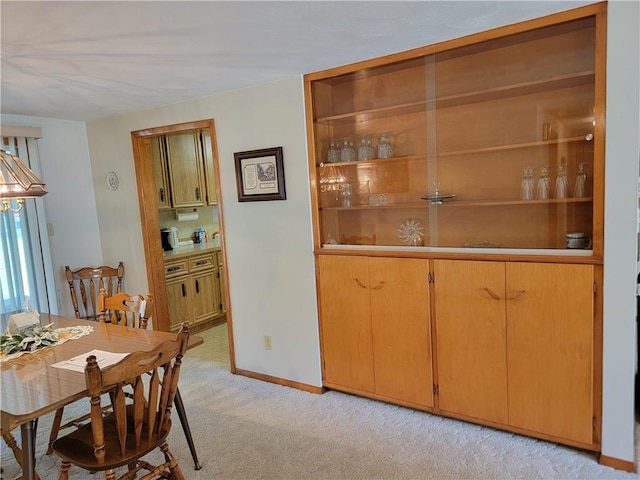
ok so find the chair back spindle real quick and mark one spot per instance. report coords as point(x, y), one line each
point(136, 426)
point(85, 284)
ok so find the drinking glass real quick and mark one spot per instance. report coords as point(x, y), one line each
point(348, 152)
point(542, 192)
point(561, 182)
point(385, 150)
point(371, 152)
point(580, 189)
point(526, 187)
point(333, 155)
point(365, 149)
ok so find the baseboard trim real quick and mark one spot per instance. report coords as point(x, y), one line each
point(617, 463)
point(280, 381)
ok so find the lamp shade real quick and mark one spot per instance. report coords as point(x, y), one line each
point(17, 180)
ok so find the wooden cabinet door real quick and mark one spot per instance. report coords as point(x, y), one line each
point(160, 172)
point(185, 169)
point(345, 311)
point(550, 311)
point(206, 301)
point(209, 172)
point(471, 338)
point(401, 329)
point(178, 301)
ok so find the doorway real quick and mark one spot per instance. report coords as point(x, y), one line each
point(142, 141)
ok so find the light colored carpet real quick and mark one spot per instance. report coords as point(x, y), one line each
point(247, 429)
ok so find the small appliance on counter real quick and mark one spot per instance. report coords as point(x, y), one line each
point(164, 235)
point(170, 239)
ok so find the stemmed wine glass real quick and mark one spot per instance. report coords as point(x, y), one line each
point(561, 181)
point(527, 188)
point(580, 189)
point(542, 192)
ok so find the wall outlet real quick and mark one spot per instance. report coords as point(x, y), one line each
point(267, 342)
point(50, 229)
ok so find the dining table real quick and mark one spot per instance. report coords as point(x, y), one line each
point(32, 387)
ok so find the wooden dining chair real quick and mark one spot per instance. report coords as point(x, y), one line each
point(85, 284)
point(121, 309)
point(12, 443)
point(124, 309)
point(131, 430)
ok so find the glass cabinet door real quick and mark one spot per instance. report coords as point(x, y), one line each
point(489, 145)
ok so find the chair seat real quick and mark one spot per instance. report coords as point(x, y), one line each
point(77, 446)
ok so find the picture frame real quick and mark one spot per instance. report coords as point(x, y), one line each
point(260, 175)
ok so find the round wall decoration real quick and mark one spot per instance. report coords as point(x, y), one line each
point(112, 180)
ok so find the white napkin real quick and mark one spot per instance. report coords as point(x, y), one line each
point(78, 363)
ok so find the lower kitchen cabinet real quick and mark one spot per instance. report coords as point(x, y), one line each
point(193, 289)
point(515, 345)
point(376, 333)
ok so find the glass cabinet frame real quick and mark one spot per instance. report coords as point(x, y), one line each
point(475, 126)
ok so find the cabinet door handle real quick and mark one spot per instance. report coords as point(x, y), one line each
point(518, 295)
point(184, 290)
point(162, 195)
point(172, 269)
point(197, 193)
point(197, 287)
point(202, 262)
point(360, 284)
point(491, 293)
point(378, 287)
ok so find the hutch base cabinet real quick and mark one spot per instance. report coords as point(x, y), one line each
point(457, 199)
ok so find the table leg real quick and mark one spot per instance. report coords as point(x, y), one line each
point(28, 434)
point(182, 415)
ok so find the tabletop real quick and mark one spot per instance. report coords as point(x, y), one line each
point(31, 387)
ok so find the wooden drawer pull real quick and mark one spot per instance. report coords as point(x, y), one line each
point(360, 284)
point(518, 295)
point(491, 293)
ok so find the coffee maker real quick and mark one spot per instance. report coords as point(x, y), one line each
point(164, 235)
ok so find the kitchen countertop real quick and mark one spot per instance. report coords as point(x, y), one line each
point(194, 249)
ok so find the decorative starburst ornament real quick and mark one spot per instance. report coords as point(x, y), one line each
point(411, 232)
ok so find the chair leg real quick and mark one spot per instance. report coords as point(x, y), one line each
point(55, 429)
point(184, 421)
point(174, 468)
point(64, 470)
point(11, 442)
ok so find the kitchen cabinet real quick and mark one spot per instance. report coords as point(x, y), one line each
point(208, 162)
point(185, 166)
point(376, 333)
point(475, 161)
point(193, 289)
point(158, 152)
point(515, 344)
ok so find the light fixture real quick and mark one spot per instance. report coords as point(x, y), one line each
point(17, 182)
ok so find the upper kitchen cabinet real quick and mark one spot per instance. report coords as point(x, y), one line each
point(209, 174)
point(158, 151)
point(186, 170)
point(492, 141)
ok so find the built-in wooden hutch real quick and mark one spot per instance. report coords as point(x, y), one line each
point(457, 198)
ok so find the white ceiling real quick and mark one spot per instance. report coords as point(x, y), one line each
point(83, 60)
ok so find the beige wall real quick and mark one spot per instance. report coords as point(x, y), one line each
point(268, 244)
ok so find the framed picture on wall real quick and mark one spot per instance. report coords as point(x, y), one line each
point(260, 175)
